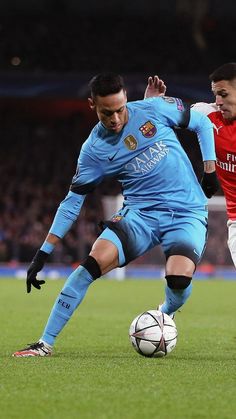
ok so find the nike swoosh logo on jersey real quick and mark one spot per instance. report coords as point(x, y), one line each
point(217, 128)
point(110, 158)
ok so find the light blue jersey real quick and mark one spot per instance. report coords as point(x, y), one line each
point(146, 158)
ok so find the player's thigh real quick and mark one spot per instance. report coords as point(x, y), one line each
point(186, 236)
point(106, 254)
point(131, 233)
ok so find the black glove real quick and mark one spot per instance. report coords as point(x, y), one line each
point(210, 184)
point(36, 266)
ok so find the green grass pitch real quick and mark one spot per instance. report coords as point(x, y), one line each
point(95, 373)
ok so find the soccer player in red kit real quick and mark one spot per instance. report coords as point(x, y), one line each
point(222, 113)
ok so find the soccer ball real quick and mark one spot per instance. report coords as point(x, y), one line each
point(153, 334)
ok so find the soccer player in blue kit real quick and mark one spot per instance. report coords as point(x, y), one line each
point(163, 200)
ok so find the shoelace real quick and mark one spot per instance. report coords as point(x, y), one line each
point(34, 345)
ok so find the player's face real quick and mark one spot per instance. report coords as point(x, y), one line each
point(111, 110)
point(225, 94)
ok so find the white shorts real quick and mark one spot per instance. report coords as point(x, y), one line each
point(232, 239)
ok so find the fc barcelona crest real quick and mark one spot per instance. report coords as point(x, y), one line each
point(148, 129)
point(131, 142)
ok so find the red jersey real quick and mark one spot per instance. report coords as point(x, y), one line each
point(225, 145)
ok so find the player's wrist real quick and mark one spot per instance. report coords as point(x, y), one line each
point(211, 175)
point(209, 166)
point(47, 247)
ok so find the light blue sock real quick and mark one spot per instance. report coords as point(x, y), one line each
point(68, 300)
point(175, 299)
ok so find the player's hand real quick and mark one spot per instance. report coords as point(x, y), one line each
point(210, 184)
point(36, 266)
point(155, 87)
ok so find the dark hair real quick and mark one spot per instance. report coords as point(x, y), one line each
point(104, 84)
point(224, 72)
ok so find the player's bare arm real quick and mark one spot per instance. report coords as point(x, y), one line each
point(52, 239)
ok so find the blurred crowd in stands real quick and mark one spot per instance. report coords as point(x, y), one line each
point(38, 160)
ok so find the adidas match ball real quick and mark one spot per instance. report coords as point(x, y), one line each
point(153, 334)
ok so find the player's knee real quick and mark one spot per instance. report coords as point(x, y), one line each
point(178, 282)
point(92, 267)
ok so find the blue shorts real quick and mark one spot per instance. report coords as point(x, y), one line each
point(134, 232)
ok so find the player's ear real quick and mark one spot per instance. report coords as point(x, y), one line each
point(91, 103)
